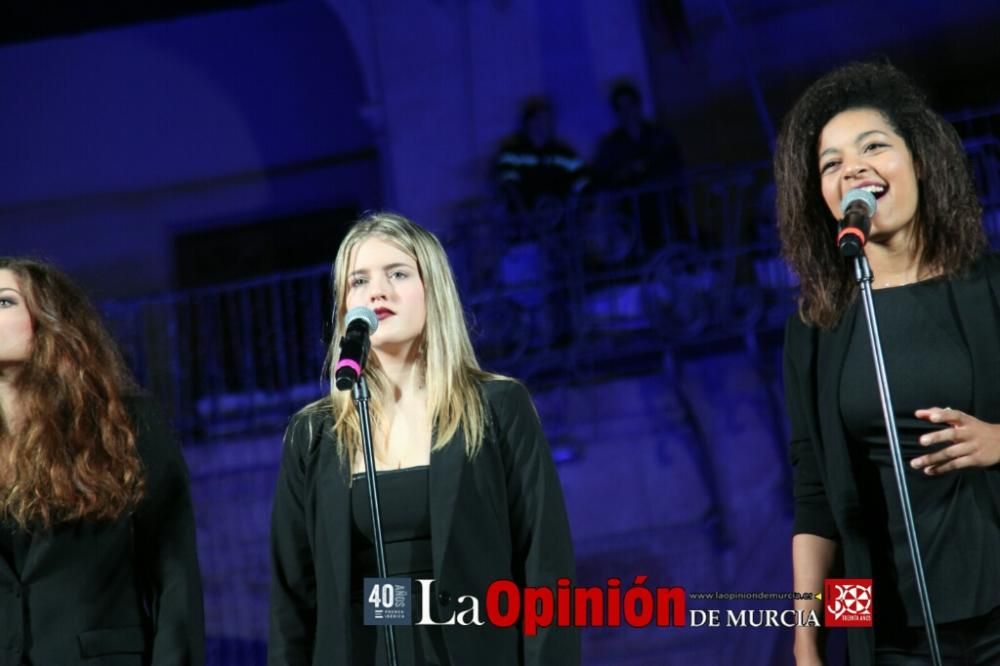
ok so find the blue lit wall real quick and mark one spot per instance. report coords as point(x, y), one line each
point(116, 140)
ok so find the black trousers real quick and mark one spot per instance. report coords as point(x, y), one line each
point(972, 642)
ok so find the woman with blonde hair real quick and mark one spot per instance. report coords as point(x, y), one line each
point(97, 539)
point(469, 491)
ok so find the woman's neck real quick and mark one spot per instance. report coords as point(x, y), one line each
point(894, 264)
point(403, 372)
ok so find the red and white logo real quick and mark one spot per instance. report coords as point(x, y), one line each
point(848, 602)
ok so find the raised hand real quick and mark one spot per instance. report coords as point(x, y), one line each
point(973, 443)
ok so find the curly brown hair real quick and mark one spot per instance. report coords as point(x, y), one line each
point(948, 227)
point(73, 455)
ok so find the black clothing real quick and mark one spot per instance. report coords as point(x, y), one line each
point(931, 368)
point(830, 478)
point(406, 533)
point(498, 516)
point(526, 173)
point(972, 642)
point(406, 525)
point(121, 593)
point(14, 545)
point(624, 161)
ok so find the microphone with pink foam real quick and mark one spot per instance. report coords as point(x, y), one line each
point(858, 208)
point(354, 346)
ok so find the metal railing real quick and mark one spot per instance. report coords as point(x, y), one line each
point(229, 358)
point(585, 289)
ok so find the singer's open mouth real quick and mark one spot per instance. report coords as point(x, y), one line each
point(878, 191)
point(382, 313)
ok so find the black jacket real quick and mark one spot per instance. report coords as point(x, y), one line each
point(122, 593)
point(526, 172)
point(826, 494)
point(499, 516)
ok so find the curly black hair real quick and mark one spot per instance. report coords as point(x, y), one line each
point(948, 226)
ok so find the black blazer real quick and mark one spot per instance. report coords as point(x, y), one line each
point(826, 494)
point(123, 593)
point(499, 516)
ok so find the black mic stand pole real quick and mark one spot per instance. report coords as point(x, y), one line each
point(360, 394)
point(863, 274)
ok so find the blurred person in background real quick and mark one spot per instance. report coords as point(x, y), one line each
point(637, 153)
point(534, 165)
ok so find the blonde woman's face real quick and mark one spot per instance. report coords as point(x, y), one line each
point(15, 322)
point(384, 278)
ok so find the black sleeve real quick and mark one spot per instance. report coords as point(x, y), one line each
point(293, 580)
point(543, 549)
point(165, 544)
point(577, 171)
point(812, 509)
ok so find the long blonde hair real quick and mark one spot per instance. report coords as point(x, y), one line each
point(448, 363)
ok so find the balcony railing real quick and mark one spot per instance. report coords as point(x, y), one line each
point(581, 290)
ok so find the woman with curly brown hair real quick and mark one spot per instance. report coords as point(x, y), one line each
point(937, 297)
point(97, 545)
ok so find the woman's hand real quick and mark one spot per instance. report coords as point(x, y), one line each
point(974, 443)
point(808, 653)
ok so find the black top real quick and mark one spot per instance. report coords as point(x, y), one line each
point(624, 161)
point(827, 496)
point(406, 533)
point(14, 545)
point(123, 591)
point(928, 364)
point(530, 172)
point(499, 515)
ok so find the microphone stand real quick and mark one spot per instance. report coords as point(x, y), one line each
point(359, 392)
point(863, 274)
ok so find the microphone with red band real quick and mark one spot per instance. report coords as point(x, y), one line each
point(858, 208)
point(354, 346)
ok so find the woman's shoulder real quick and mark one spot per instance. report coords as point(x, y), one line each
point(990, 263)
point(140, 403)
point(315, 412)
point(156, 439)
point(801, 342)
point(146, 414)
point(308, 425)
point(508, 400)
point(798, 332)
point(499, 390)
point(985, 268)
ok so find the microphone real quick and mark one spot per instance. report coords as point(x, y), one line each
point(354, 346)
point(858, 208)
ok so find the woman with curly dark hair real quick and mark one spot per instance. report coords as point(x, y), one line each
point(937, 297)
point(97, 546)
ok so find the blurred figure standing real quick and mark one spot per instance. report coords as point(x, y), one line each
point(633, 154)
point(534, 165)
